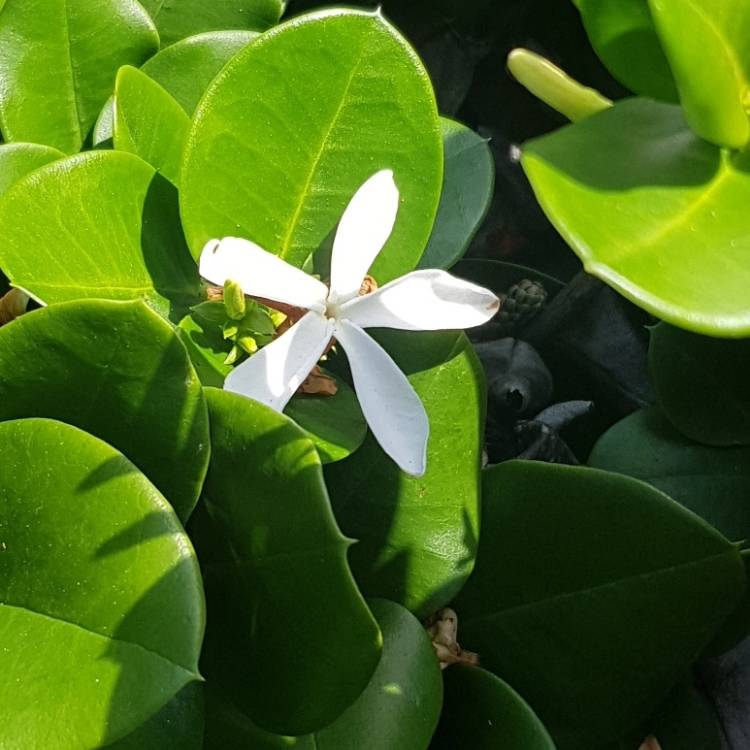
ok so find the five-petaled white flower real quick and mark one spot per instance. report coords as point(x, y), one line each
point(419, 301)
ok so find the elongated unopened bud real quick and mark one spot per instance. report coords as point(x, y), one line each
point(234, 300)
point(554, 86)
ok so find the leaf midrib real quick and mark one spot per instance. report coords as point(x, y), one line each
point(599, 587)
point(297, 213)
point(73, 82)
point(93, 633)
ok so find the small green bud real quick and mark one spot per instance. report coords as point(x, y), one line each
point(230, 330)
point(233, 355)
point(248, 344)
point(234, 300)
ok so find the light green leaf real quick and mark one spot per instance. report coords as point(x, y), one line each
point(149, 123)
point(592, 594)
point(399, 708)
point(285, 607)
point(177, 19)
point(58, 61)
point(418, 536)
point(117, 223)
point(482, 712)
point(184, 69)
point(708, 47)
point(468, 183)
point(653, 211)
point(178, 726)
point(18, 159)
point(277, 165)
point(703, 384)
point(622, 33)
point(102, 610)
point(118, 371)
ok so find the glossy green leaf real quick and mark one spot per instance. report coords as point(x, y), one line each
point(177, 19)
point(592, 594)
point(418, 536)
point(708, 47)
point(287, 611)
point(102, 609)
point(623, 34)
point(58, 61)
point(653, 211)
point(399, 708)
point(500, 276)
point(149, 123)
point(703, 384)
point(468, 184)
point(118, 371)
point(18, 159)
point(119, 227)
point(178, 726)
point(278, 164)
point(184, 69)
point(712, 482)
point(482, 712)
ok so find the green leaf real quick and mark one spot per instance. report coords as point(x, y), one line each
point(177, 19)
point(500, 276)
point(184, 69)
point(118, 371)
point(702, 384)
point(399, 708)
point(119, 227)
point(418, 536)
point(102, 609)
point(178, 726)
point(653, 211)
point(18, 159)
point(622, 33)
point(58, 61)
point(712, 482)
point(468, 184)
point(482, 712)
point(149, 122)
point(286, 609)
point(278, 164)
point(334, 423)
point(592, 594)
point(708, 48)
point(685, 721)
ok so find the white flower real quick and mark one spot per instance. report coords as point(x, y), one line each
point(419, 301)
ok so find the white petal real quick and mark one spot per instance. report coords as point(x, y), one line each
point(273, 374)
point(260, 273)
point(390, 405)
point(364, 228)
point(428, 300)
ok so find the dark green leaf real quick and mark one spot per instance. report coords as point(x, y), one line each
point(278, 164)
point(592, 594)
point(397, 710)
point(58, 61)
point(118, 371)
point(291, 638)
point(18, 159)
point(622, 33)
point(712, 482)
point(177, 19)
point(482, 712)
point(703, 384)
point(102, 609)
point(468, 183)
point(149, 122)
point(117, 224)
point(653, 211)
point(418, 536)
point(178, 726)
